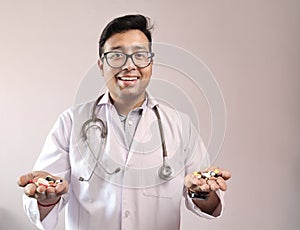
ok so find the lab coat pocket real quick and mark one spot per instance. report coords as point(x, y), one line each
point(167, 189)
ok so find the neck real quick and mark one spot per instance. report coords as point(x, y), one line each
point(125, 105)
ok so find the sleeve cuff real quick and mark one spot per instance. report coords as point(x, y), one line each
point(195, 209)
point(32, 211)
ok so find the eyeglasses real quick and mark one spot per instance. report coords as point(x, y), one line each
point(116, 59)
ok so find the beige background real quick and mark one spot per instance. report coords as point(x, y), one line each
point(252, 47)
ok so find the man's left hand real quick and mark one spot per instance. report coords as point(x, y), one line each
point(204, 183)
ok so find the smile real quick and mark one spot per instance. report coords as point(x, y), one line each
point(128, 78)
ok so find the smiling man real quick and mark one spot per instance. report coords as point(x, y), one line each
point(131, 181)
point(126, 76)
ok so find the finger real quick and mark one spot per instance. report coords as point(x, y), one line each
point(51, 192)
point(226, 174)
point(188, 181)
point(213, 185)
point(223, 172)
point(204, 188)
point(191, 180)
point(30, 189)
point(201, 181)
point(222, 184)
point(40, 193)
point(41, 189)
point(62, 187)
point(25, 179)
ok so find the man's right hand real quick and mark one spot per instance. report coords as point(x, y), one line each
point(45, 195)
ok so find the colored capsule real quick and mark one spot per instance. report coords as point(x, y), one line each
point(50, 179)
point(207, 175)
point(42, 182)
point(47, 181)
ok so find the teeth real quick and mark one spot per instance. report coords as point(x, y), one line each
point(128, 78)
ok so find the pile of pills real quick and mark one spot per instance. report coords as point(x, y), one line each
point(48, 181)
point(207, 175)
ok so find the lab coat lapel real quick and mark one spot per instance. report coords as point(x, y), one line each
point(146, 138)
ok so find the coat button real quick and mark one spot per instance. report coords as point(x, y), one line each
point(127, 213)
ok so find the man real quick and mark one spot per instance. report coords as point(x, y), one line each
point(122, 184)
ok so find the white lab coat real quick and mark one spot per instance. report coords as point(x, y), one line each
point(135, 197)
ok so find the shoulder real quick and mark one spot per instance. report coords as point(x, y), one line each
point(72, 113)
point(173, 114)
point(82, 108)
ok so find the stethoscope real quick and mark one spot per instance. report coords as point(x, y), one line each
point(165, 171)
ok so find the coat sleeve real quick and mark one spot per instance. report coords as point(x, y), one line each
point(54, 158)
point(198, 159)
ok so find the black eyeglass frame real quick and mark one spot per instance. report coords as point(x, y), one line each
point(150, 56)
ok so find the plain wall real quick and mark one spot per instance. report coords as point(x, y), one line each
point(251, 47)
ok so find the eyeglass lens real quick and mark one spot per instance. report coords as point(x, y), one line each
point(118, 59)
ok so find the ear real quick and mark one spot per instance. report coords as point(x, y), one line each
point(100, 64)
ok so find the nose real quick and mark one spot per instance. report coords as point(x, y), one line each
point(129, 65)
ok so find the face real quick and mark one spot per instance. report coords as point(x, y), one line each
point(127, 82)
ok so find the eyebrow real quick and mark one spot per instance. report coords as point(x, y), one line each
point(116, 47)
point(134, 47)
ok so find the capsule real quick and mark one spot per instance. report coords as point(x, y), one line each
point(42, 182)
point(50, 178)
point(207, 175)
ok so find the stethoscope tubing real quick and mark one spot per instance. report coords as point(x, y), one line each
point(165, 171)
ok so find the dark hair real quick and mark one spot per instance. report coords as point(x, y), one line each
point(124, 23)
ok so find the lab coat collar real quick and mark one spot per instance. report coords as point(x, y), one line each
point(105, 99)
point(150, 101)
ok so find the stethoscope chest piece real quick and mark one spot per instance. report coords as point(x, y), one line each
point(165, 172)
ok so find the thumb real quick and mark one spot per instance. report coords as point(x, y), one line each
point(24, 179)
